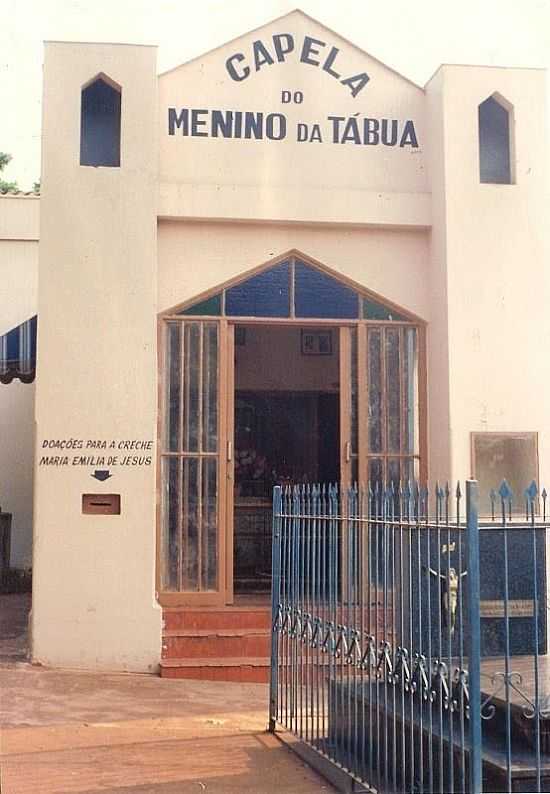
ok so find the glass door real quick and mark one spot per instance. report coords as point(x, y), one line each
point(379, 394)
point(193, 464)
point(389, 358)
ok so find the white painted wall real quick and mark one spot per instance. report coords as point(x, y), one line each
point(196, 256)
point(490, 260)
point(16, 466)
point(18, 281)
point(19, 230)
point(288, 180)
point(94, 600)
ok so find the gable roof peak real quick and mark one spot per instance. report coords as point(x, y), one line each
point(296, 12)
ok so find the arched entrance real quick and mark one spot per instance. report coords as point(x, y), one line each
point(289, 373)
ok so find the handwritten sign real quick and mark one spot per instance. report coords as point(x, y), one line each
point(61, 452)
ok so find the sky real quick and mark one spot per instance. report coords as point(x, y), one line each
point(412, 37)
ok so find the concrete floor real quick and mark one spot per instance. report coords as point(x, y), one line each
point(63, 732)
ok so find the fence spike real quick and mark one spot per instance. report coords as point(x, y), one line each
point(493, 498)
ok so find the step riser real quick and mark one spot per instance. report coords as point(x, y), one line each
point(189, 620)
point(220, 640)
point(215, 647)
point(243, 675)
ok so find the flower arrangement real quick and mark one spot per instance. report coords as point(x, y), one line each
point(249, 465)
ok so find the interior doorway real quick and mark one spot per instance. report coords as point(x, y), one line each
point(286, 431)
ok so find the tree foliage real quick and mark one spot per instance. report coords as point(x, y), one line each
point(6, 187)
point(12, 187)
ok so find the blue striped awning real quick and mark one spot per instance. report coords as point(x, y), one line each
point(18, 353)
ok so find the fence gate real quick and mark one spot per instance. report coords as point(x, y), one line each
point(379, 668)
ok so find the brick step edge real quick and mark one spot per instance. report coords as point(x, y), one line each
point(214, 619)
point(241, 661)
point(205, 633)
point(230, 608)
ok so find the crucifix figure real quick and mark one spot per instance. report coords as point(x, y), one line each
point(449, 596)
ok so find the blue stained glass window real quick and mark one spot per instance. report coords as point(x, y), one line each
point(316, 295)
point(319, 295)
point(264, 295)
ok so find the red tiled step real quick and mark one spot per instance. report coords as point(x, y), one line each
point(215, 643)
point(242, 669)
point(216, 618)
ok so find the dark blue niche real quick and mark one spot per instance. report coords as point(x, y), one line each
point(431, 627)
point(100, 125)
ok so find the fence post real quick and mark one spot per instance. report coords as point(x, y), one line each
point(275, 600)
point(474, 660)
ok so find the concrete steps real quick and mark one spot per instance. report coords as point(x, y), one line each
point(217, 644)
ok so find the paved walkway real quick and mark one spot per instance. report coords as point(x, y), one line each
point(65, 732)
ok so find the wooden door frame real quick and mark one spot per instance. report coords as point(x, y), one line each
point(199, 598)
point(344, 361)
point(226, 385)
point(229, 411)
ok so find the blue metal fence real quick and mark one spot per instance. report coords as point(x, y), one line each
point(409, 643)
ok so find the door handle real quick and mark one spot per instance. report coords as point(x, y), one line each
point(348, 451)
point(229, 451)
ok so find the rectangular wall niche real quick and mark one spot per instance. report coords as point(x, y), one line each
point(504, 456)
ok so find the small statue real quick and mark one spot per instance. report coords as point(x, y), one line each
point(449, 596)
